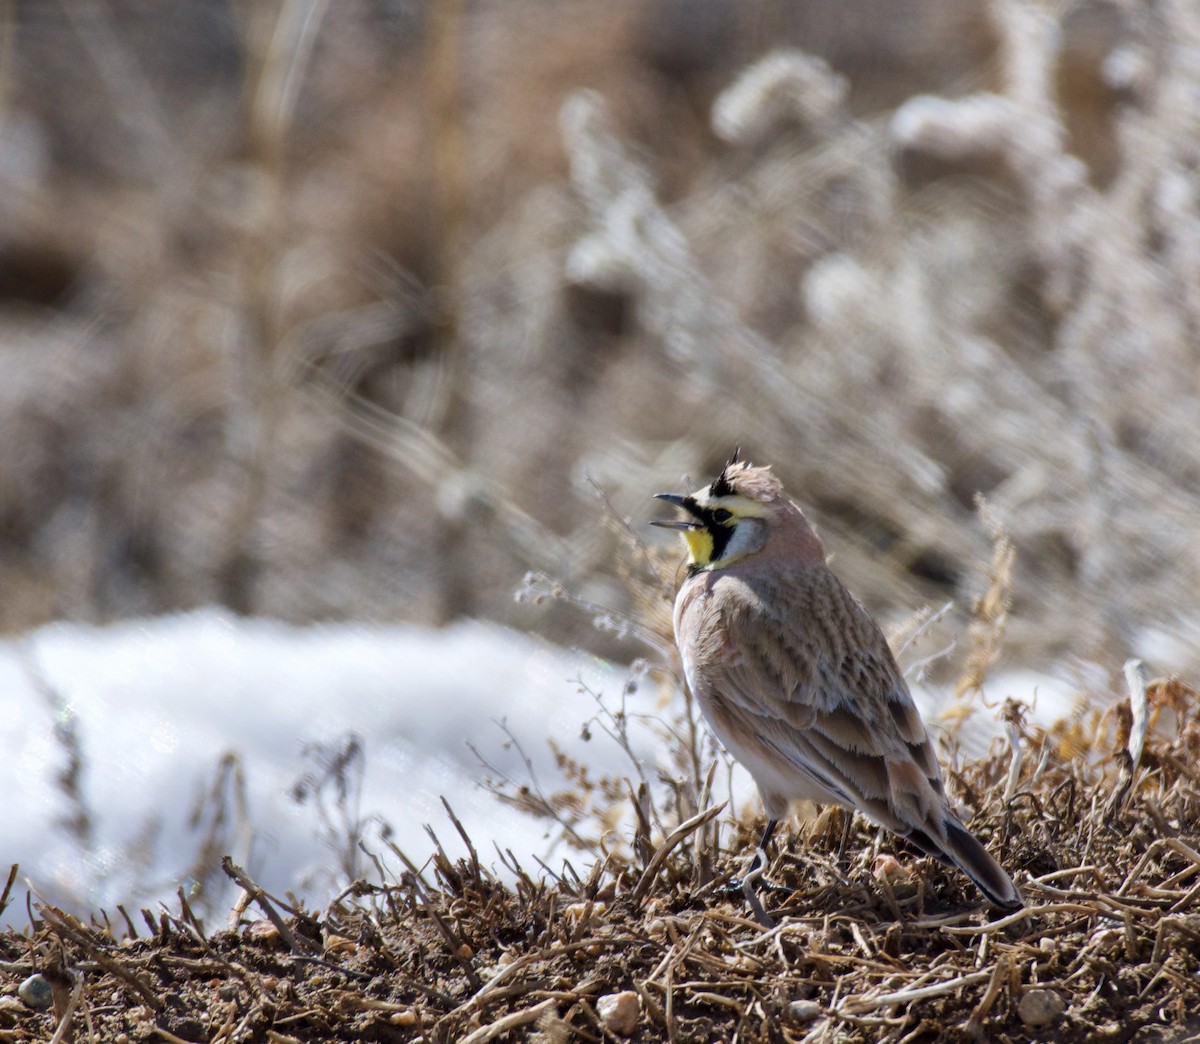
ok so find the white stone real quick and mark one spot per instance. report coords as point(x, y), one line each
point(619, 1012)
point(1040, 1007)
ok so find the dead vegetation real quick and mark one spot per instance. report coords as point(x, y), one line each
point(1097, 817)
point(328, 310)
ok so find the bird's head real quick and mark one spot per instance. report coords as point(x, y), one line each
point(731, 518)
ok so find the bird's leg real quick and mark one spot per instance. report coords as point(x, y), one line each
point(767, 834)
point(753, 877)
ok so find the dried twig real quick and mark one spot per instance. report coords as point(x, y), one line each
point(295, 943)
point(510, 1021)
point(856, 1004)
point(664, 850)
point(66, 925)
point(63, 1031)
point(7, 890)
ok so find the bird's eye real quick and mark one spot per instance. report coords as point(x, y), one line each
point(722, 516)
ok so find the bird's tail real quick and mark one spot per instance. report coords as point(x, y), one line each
point(963, 849)
point(967, 853)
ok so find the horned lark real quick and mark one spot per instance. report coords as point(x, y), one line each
point(796, 678)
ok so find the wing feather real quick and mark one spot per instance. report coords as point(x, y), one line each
point(816, 693)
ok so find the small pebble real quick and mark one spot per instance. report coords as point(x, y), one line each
point(36, 992)
point(262, 932)
point(888, 868)
point(619, 1012)
point(656, 906)
point(1040, 1007)
point(657, 929)
point(582, 913)
point(336, 944)
point(803, 1010)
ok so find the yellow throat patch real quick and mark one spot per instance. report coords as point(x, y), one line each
point(700, 546)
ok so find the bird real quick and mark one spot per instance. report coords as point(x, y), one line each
point(796, 679)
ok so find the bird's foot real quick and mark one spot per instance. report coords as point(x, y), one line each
point(738, 886)
point(748, 886)
point(754, 879)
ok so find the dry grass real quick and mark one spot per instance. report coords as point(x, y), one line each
point(876, 944)
point(266, 351)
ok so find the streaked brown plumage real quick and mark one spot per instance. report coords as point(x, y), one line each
point(797, 680)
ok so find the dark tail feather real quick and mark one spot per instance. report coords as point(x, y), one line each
point(978, 864)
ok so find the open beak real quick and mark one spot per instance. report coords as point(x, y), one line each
point(671, 523)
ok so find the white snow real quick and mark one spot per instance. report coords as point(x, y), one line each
point(154, 705)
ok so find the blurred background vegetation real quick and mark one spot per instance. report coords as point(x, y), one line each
point(366, 309)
